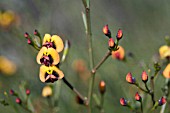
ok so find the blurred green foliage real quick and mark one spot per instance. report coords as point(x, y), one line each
point(145, 23)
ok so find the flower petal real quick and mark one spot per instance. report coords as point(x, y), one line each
point(58, 42)
point(40, 54)
point(55, 56)
point(47, 38)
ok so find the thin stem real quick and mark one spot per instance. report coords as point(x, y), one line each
point(101, 104)
point(152, 89)
point(101, 61)
point(146, 86)
point(141, 106)
point(141, 88)
point(26, 108)
point(90, 51)
point(75, 90)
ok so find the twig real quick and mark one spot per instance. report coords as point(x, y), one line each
point(76, 91)
point(101, 62)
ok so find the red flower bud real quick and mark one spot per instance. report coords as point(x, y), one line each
point(161, 101)
point(119, 34)
point(106, 31)
point(144, 76)
point(123, 102)
point(138, 97)
point(111, 43)
point(18, 100)
point(26, 35)
point(11, 92)
point(102, 87)
point(28, 92)
point(29, 41)
point(130, 79)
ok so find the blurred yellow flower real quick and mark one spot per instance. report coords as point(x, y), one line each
point(53, 42)
point(47, 91)
point(7, 67)
point(119, 54)
point(7, 18)
point(166, 72)
point(48, 56)
point(164, 51)
point(50, 74)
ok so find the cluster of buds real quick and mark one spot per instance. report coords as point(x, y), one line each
point(33, 41)
point(130, 79)
point(15, 94)
point(118, 51)
point(111, 41)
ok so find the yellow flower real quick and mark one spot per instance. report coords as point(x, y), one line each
point(119, 54)
point(53, 42)
point(6, 66)
point(6, 18)
point(166, 72)
point(47, 91)
point(48, 56)
point(50, 74)
point(164, 51)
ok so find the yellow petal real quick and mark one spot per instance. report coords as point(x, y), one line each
point(40, 54)
point(58, 42)
point(46, 38)
point(60, 73)
point(55, 56)
point(43, 70)
point(164, 51)
point(166, 71)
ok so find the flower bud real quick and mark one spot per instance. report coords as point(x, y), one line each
point(106, 31)
point(119, 34)
point(18, 100)
point(29, 41)
point(130, 79)
point(47, 91)
point(138, 97)
point(11, 92)
point(144, 77)
point(28, 92)
point(102, 87)
point(123, 102)
point(111, 43)
point(161, 101)
point(26, 35)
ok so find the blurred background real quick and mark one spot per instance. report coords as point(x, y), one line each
point(145, 23)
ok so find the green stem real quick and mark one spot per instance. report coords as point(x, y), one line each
point(101, 104)
point(137, 85)
point(141, 105)
point(146, 86)
point(152, 90)
point(90, 51)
